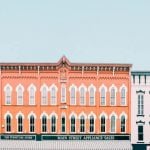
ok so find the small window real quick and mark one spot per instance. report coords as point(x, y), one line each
point(113, 97)
point(20, 123)
point(53, 124)
point(73, 96)
point(32, 124)
point(92, 96)
point(63, 124)
point(140, 104)
point(20, 96)
point(123, 96)
point(63, 94)
point(82, 96)
point(44, 124)
point(8, 123)
point(103, 124)
point(91, 124)
point(32, 96)
point(44, 96)
point(103, 98)
point(82, 124)
point(123, 124)
point(53, 96)
point(113, 124)
point(72, 124)
point(8, 96)
point(140, 133)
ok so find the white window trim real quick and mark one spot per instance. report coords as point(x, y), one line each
point(116, 117)
point(56, 116)
point(50, 88)
point(85, 90)
point(17, 88)
point(89, 88)
point(8, 85)
point(75, 115)
point(113, 86)
point(100, 88)
point(126, 117)
point(41, 90)
point(85, 117)
point(70, 88)
point(63, 86)
point(94, 116)
point(123, 86)
point(34, 87)
point(29, 115)
point(8, 113)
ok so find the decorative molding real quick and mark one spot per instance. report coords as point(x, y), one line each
point(140, 91)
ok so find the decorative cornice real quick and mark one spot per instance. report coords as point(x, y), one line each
point(140, 91)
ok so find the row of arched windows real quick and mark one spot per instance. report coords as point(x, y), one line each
point(83, 120)
point(73, 94)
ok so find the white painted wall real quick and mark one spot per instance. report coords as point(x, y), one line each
point(134, 109)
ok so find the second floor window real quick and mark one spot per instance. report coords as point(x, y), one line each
point(63, 94)
point(123, 96)
point(44, 96)
point(8, 96)
point(53, 124)
point(20, 123)
point(82, 96)
point(20, 96)
point(53, 96)
point(44, 124)
point(140, 104)
point(73, 96)
point(92, 96)
point(123, 124)
point(32, 96)
point(82, 124)
point(72, 124)
point(113, 124)
point(103, 124)
point(32, 123)
point(63, 124)
point(112, 97)
point(8, 123)
point(91, 124)
point(103, 97)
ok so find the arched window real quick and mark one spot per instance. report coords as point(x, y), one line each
point(63, 93)
point(53, 96)
point(20, 95)
point(123, 124)
point(82, 124)
point(63, 124)
point(82, 96)
point(32, 123)
point(53, 124)
point(103, 98)
point(92, 124)
point(20, 123)
point(8, 95)
point(73, 122)
point(103, 124)
point(44, 123)
point(112, 96)
point(92, 96)
point(140, 104)
point(8, 123)
point(44, 96)
point(31, 95)
point(123, 96)
point(73, 96)
point(113, 124)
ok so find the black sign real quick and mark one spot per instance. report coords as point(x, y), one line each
point(18, 137)
point(85, 137)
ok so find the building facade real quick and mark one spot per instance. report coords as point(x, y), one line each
point(140, 104)
point(65, 101)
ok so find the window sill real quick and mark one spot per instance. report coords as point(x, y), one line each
point(140, 115)
point(140, 142)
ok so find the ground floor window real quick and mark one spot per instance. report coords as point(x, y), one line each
point(140, 133)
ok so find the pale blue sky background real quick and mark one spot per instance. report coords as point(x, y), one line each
point(104, 31)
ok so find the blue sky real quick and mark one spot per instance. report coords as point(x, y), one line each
point(102, 31)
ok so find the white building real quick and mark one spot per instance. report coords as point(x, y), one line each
point(140, 110)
